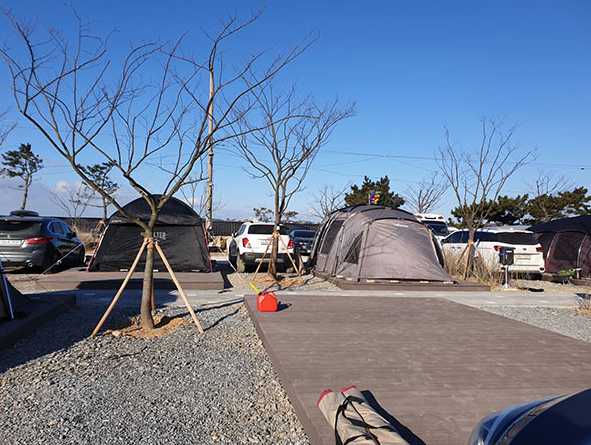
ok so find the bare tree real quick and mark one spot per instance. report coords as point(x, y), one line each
point(262, 214)
point(279, 140)
point(73, 200)
point(548, 184)
point(427, 194)
point(149, 106)
point(477, 177)
point(194, 195)
point(99, 174)
point(6, 127)
point(328, 200)
point(290, 215)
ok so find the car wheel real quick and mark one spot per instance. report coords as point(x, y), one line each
point(48, 261)
point(240, 264)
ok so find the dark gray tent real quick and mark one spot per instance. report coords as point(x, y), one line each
point(365, 243)
point(566, 243)
point(179, 230)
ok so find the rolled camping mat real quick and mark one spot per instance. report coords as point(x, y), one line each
point(383, 429)
point(345, 432)
point(354, 421)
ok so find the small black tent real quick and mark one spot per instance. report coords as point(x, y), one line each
point(566, 243)
point(179, 230)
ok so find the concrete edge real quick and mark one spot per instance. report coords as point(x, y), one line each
point(42, 311)
point(309, 429)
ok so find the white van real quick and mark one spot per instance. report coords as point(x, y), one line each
point(436, 223)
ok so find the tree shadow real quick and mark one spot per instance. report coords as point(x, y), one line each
point(222, 318)
point(403, 430)
point(62, 332)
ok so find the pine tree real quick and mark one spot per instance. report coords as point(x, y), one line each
point(23, 164)
point(359, 194)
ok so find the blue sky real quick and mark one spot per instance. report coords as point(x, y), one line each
point(411, 67)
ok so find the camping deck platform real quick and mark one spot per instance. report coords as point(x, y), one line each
point(421, 286)
point(436, 366)
point(74, 279)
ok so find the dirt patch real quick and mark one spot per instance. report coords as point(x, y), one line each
point(549, 286)
point(584, 308)
point(267, 282)
point(164, 325)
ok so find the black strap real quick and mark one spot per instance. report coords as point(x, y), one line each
point(367, 434)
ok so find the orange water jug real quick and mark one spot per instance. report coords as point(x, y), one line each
point(267, 302)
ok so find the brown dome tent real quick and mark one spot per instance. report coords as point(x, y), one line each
point(365, 243)
point(566, 243)
point(179, 230)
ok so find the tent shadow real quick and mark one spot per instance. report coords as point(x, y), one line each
point(403, 430)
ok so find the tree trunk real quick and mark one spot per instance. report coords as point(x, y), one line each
point(25, 194)
point(147, 322)
point(275, 240)
point(105, 207)
point(470, 253)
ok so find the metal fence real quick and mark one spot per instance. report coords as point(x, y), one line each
point(219, 227)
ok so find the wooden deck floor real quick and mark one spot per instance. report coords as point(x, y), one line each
point(436, 366)
point(74, 279)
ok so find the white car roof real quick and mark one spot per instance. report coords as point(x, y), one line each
point(259, 223)
point(429, 217)
point(497, 229)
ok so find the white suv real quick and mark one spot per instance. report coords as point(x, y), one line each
point(247, 246)
point(528, 254)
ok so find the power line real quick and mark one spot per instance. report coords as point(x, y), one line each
point(432, 158)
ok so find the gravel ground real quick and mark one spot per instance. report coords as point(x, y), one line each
point(564, 321)
point(59, 387)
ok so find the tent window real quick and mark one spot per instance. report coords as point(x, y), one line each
point(566, 246)
point(331, 235)
point(353, 253)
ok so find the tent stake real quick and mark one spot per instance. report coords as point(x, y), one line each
point(179, 288)
point(121, 289)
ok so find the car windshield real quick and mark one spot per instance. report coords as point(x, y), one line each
point(20, 228)
point(526, 238)
point(438, 228)
point(303, 234)
point(266, 229)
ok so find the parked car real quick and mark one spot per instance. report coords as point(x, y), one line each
point(249, 244)
point(30, 240)
point(302, 245)
point(561, 420)
point(528, 254)
point(436, 223)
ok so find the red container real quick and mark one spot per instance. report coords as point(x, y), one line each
point(267, 302)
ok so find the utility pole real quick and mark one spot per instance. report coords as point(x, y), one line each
point(210, 152)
